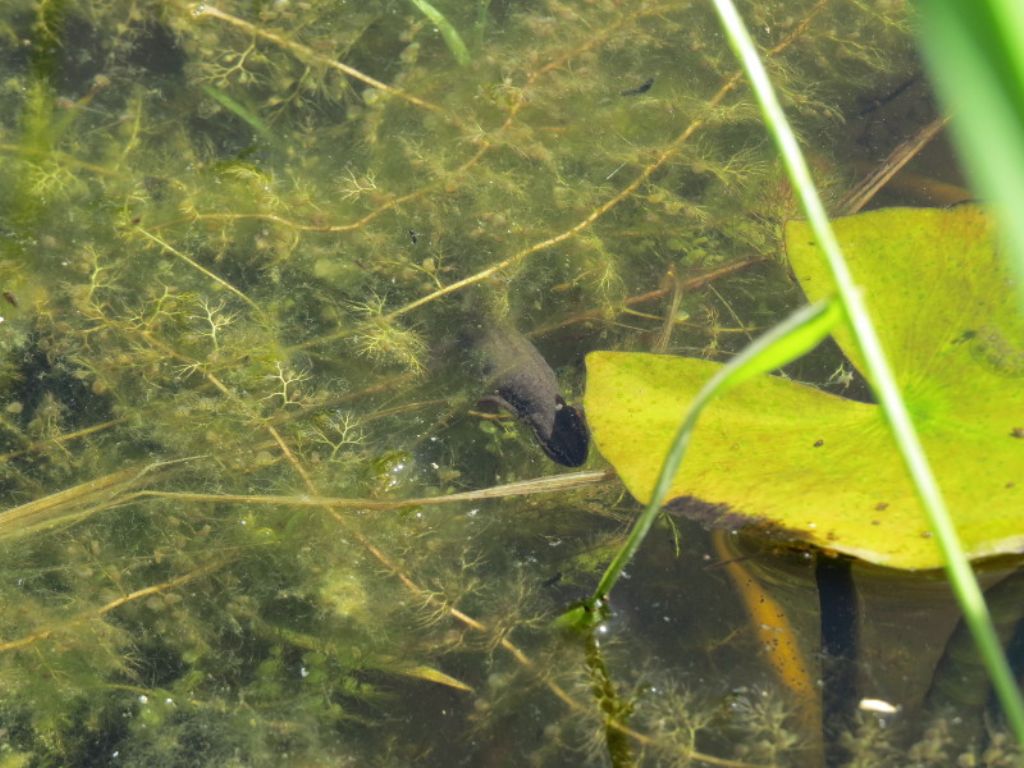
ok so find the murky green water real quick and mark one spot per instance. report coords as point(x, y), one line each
point(239, 242)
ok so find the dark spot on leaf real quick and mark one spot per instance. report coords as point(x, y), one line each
point(818, 443)
point(1017, 432)
point(882, 505)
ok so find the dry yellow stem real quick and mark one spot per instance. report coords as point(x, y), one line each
point(69, 505)
point(196, 265)
point(303, 53)
point(550, 484)
point(22, 642)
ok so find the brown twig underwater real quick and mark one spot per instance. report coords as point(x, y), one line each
point(138, 594)
point(688, 284)
point(67, 437)
point(862, 193)
point(201, 10)
point(199, 267)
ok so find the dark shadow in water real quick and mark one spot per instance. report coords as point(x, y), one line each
point(837, 599)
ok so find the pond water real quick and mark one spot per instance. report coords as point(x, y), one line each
point(242, 244)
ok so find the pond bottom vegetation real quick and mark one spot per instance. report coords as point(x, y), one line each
point(250, 511)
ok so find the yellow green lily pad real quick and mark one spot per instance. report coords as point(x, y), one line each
point(816, 467)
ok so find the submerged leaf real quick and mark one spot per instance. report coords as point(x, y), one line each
point(788, 457)
point(432, 675)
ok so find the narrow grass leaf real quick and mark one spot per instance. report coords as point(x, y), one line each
point(975, 54)
point(451, 35)
point(245, 114)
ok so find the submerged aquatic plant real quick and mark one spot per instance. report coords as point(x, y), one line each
point(236, 241)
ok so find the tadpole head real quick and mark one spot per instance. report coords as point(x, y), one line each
point(569, 441)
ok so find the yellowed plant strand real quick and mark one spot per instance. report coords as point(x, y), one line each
point(198, 267)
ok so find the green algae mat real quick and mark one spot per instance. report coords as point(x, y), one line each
point(789, 458)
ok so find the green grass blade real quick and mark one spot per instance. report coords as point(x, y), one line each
point(451, 35)
point(975, 54)
point(790, 339)
point(480, 26)
point(253, 120)
point(958, 569)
